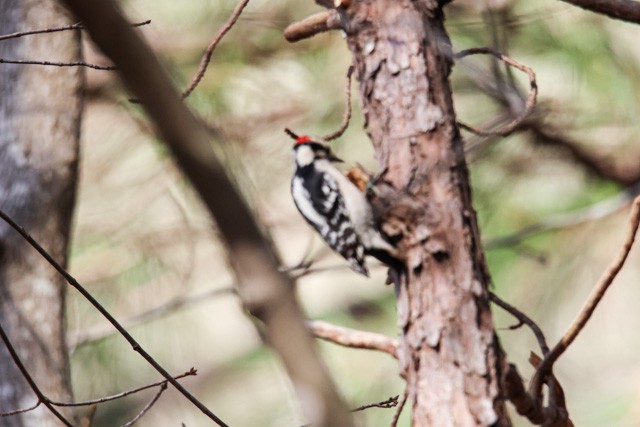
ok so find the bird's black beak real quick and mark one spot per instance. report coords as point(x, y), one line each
point(335, 158)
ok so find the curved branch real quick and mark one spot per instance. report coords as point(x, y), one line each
point(592, 302)
point(206, 58)
point(531, 98)
point(524, 319)
point(346, 118)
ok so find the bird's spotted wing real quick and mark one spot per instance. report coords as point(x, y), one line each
point(322, 206)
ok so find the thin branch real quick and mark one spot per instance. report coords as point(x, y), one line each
point(312, 25)
point(20, 411)
point(148, 406)
point(58, 64)
point(624, 10)
point(25, 374)
point(523, 319)
point(347, 109)
point(353, 338)
point(162, 383)
point(531, 98)
point(76, 26)
point(592, 302)
point(206, 58)
point(391, 402)
point(134, 344)
point(396, 416)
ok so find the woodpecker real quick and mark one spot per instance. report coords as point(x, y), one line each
point(334, 206)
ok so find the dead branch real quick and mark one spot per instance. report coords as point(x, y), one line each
point(76, 26)
point(531, 98)
point(134, 344)
point(206, 57)
point(146, 407)
point(396, 416)
point(190, 372)
point(265, 292)
point(58, 64)
point(391, 402)
point(523, 319)
point(624, 10)
point(347, 109)
point(352, 337)
point(312, 25)
point(20, 411)
point(594, 299)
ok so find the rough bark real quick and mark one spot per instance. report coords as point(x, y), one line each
point(40, 111)
point(448, 350)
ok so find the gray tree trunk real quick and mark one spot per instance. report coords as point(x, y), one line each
point(448, 352)
point(40, 108)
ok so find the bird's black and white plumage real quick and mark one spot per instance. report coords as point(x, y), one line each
point(333, 205)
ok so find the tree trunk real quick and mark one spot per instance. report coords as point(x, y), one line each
point(40, 110)
point(449, 353)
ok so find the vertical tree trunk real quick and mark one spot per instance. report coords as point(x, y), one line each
point(449, 353)
point(40, 111)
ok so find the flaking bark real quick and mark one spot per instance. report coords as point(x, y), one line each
point(448, 349)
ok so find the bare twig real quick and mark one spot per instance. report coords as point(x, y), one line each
point(523, 319)
point(148, 406)
point(58, 64)
point(206, 58)
point(391, 402)
point(134, 344)
point(531, 98)
point(162, 383)
point(25, 374)
point(592, 302)
point(312, 25)
point(347, 109)
point(353, 338)
point(624, 10)
point(396, 416)
point(20, 411)
point(76, 26)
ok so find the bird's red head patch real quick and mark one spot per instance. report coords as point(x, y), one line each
point(303, 139)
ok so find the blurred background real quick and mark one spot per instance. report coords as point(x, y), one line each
point(552, 202)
